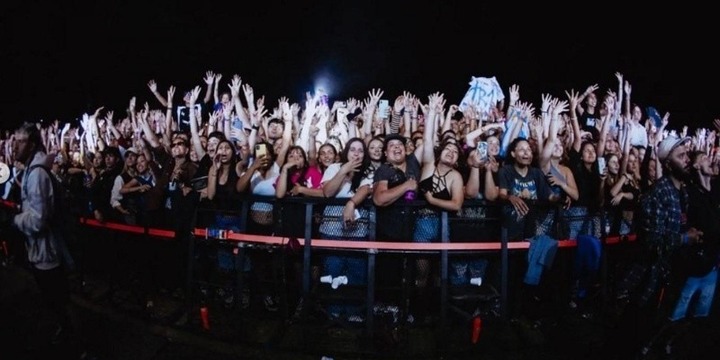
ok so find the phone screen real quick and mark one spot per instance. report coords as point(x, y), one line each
point(383, 108)
point(482, 148)
point(601, 164)
point(260, 150)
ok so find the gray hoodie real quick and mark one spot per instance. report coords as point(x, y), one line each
point(37, 212)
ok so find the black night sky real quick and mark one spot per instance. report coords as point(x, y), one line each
point(61, 59)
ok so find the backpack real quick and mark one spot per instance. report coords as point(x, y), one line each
point(62, 218)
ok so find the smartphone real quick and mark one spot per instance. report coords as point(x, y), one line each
point(601, 165)
point(260, 150)
point(482, 148)
point(383, 108)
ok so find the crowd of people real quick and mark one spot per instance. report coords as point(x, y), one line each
point(612, 166)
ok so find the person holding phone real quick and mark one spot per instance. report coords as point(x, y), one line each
point(260, 178)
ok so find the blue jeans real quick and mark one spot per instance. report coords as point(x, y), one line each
point(462, 270)
point(353, 266)
point(225, 258)
point(706, 286)
point(427, 229)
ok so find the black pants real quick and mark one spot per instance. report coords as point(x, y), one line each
point(53, 286)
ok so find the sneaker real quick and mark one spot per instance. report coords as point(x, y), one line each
point(270, 303)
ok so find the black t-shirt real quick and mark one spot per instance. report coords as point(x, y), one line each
point(588, 181)
point(395, 221)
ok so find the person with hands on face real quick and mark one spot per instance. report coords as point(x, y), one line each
point(352, 178)
point(297, 177)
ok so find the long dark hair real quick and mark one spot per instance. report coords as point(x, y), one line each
point(302, 172)
point(233, 156)
point(364, 168)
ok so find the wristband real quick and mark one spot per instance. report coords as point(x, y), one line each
point(685, 239)
point(255, 127)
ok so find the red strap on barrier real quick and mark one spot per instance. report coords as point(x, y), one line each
point(343, 244)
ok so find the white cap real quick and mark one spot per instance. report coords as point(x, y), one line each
point(668, 145)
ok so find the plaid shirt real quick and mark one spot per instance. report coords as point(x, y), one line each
point(661, 215)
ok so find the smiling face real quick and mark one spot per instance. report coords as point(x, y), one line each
point(326, 155)
point(493, 145)
point(449, 154)
point(522, 153)
point(375, 149)
point(395, 152)
point(141, 166)
point(613, 165)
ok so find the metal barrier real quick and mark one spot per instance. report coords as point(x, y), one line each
point(240, 240)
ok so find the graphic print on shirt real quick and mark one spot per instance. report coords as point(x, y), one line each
point(525, 189)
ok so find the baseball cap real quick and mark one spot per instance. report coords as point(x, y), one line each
point(668, 145)
point(129, 150)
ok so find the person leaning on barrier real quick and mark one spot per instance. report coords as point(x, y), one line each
point(352, 178)
point(518, 182)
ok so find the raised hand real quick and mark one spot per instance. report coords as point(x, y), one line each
point(249, 96)
point(573, 97)
point(170, 95)
point(628, 88)
point(209, 77)
point(514, 94)
point(619, 76)
point(591, 89)
point(399, 104)
point(375, 95)
point(546, 99)
point(235, 85)
point(152, 85)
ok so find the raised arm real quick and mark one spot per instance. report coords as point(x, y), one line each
point(209, 80)
point(287, 134)
point(369, 113)
point(216, 84)
point(153, 88)
point(579, 110)
point(194, 133)
point(577, 135)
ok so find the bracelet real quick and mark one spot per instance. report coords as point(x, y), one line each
point(685, 239)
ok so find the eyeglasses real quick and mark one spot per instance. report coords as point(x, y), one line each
point(178, 144)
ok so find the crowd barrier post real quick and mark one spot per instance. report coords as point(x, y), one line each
point(370, 295)
point(444, 238)
point(504, 272)
point(307, 250)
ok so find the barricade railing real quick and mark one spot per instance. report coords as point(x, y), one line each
point(309, 241)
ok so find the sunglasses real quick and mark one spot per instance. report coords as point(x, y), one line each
point(178, 144)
